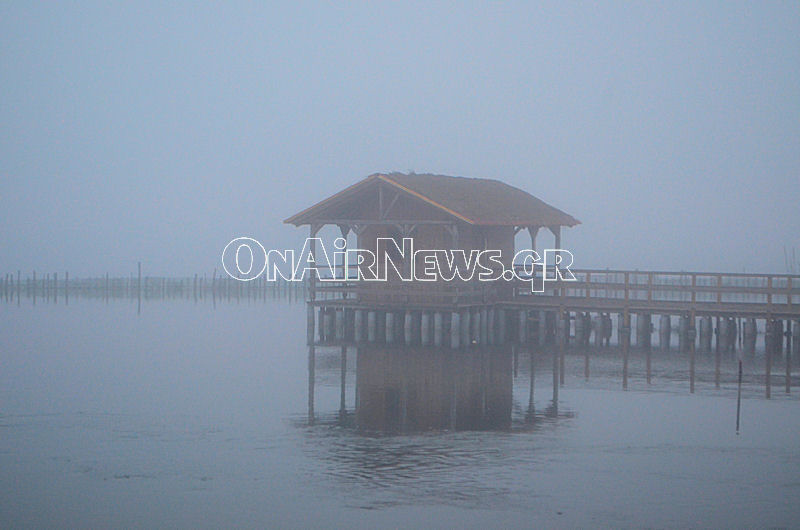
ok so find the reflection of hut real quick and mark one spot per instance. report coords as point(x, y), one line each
point(438, 212)
point(419, 389)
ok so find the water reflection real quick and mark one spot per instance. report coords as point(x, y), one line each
point(412, 389)
point(401, 389)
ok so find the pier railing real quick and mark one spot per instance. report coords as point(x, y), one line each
point(742, 294)
point(703, 292)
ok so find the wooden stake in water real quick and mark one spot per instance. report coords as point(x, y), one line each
point(739, 398)
point(139, 290)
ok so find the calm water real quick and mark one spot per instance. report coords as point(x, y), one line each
point(189, 416)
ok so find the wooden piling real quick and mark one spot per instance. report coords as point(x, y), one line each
point(372, 325)
point(343, 382)
point(465, 325)
point(556, 363)
point(310, 325)
point(533, 378)
point(455, 329)
point(311, 380)
point(358, 325)
point(425, 328)
point(139, 288)
point(339, 323)
point(389, 330)
point(769, 341)
point(625, 337)
point(438, 328)
point(691, 335)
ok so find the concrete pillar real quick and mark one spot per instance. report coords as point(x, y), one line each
point(750, 333)
point(490, 336)
point(643, 330)
point(438, 328)
point(724, 334)
point(408, 328)
point(597, 327)
point(664, 332)
point(522, 326)
point(339, 318)
point(475, 324)
point(607, 329)
point(328, 320)
point(484, 339)
point(389, 327)
point(358, 325)
point(455, 329)
point(465, 327)
point(425, 328)
point(371, 326)
point(683, 334)
point(706, 333)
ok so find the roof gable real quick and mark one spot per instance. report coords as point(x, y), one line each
point(475, 201)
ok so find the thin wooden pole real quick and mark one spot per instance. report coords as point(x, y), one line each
point(311, 380)
point(343, 383)
point(626, 340)
point(692, 335)
point(139, 289)
point(769, 340)
point(533, 378)
point(739, 398)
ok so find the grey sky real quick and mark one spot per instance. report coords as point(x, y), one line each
point(144, 131)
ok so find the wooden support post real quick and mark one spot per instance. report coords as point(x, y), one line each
point(692, 333)
point(563, 344)
point(408, 328)
point(455, 329)
point(625, 333)
point(425, 328)
point(389, 335)
point(717, 365)
point(310, 325)
point(788, 356)
point(533, 378)
point(358, 325)
point(769, 341)
point(343, 383)
point(311, 380)
point(372, 326)
point(557, 364)
point(139, 289)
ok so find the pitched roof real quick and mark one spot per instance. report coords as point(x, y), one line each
point(475, 201)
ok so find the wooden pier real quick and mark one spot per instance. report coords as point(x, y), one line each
point(707, 310)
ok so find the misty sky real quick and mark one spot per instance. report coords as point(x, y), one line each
point(160, 132)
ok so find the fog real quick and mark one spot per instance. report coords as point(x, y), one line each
point(158, 132)
point(170, 395)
